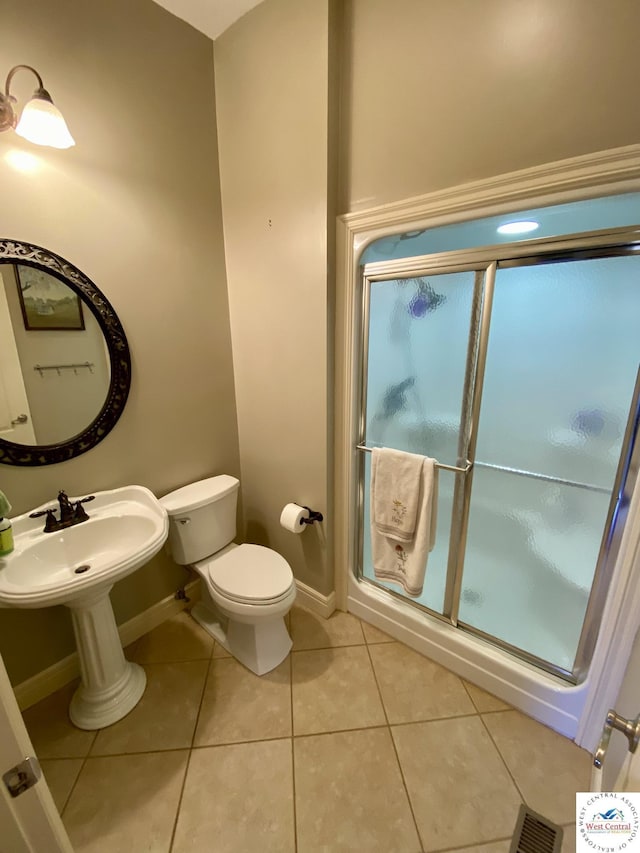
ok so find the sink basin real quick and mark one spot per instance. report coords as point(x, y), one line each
point(77, 567)
point(126, 527)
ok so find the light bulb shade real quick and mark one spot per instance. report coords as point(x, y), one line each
point(41, 122)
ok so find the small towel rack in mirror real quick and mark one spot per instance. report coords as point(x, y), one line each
point(88, 364)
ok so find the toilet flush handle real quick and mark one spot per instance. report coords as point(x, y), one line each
point(184, 521)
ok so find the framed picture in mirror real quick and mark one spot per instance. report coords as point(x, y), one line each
point(47, 303)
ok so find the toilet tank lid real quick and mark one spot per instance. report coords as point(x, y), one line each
point(199, 494)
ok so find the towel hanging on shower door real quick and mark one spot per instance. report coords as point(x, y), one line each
point(404, 510)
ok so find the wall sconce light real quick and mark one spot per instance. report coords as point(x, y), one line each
point(41, 121)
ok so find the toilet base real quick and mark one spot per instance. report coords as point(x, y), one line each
point(259, 646)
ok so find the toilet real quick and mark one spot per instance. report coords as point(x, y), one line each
point(246, 589)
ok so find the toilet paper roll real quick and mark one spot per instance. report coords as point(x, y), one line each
point(291, 518)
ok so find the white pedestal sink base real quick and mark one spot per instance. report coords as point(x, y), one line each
point(111, 686)
point(90, 711)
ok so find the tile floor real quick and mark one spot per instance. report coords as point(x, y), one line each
point(355, 743)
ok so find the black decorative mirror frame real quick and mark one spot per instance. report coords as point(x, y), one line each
point(17, 252)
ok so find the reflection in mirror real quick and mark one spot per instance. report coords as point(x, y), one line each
point(53, 355)
point(65, 368)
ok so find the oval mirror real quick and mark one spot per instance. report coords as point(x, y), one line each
point(65, 368)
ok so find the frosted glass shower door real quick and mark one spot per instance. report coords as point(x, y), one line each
point(561, 368)
point(418, 334)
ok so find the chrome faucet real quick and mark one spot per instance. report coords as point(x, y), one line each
point(70, 513)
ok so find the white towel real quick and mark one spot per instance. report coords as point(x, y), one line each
point(396, 479)
point(405, 563)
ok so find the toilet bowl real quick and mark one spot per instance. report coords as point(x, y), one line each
point(247, 590)
point(252, 589)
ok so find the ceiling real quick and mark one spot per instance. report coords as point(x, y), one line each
point(211, 17)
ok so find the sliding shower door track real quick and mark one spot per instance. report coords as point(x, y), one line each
point(489, 639)
point(520, 654)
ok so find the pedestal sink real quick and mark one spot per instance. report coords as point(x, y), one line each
point(77, 567)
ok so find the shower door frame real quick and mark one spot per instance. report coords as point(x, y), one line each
point(484, 262)
point(577, 712)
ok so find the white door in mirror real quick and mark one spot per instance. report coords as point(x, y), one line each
point(15, 417)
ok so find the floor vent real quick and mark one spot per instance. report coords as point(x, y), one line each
point(535, 834)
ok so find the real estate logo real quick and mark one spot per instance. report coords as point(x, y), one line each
point(607, 822)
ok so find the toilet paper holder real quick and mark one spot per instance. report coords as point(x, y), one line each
point(313, 515)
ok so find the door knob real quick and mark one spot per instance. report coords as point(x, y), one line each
point(21, 419)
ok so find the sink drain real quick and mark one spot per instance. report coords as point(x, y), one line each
point(82, 569)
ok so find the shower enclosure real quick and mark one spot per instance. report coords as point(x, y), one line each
point(516, 368)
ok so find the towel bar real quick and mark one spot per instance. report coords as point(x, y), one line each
point(88, 364)
point(455, 468)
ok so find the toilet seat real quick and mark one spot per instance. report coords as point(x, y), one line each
point(250, 574)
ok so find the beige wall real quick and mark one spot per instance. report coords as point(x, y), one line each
point(135, 205)
point(273, 105)
point(442, 92)
point(432, 94)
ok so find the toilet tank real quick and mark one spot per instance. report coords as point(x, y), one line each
point(202, 517)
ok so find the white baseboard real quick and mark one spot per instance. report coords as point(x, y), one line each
point(63, 671)
point(310, 599)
